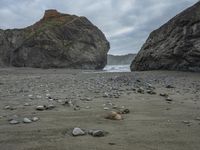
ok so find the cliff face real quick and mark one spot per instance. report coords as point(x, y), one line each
point(120, 59)
point(56, 41)
point(174, 46)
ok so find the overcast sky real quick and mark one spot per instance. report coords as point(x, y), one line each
point(126, 23)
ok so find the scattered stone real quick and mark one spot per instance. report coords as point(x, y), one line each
point(30, 96)
point(188, 123)
point(51, 106)
point(170, 87)
point(97, 133)
point(113, 116)
point(198, 118)
point(125, 111)
point(111, 143)
point(38, 96)
point(78, 132)
point(164, 94)
point(169, 99)
point(87, 107)
point(34, 119)
point(27, 120)
point(40, 108)
point(7, 107)
point(13, 121)
point(86, 99)
point(27, 104)
point(68, 103)
point(106, 95)
point(77, 107)
point(151, 92)
point(106, 108)
point(140, 90)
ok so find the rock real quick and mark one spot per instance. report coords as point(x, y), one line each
point(86, 99)
point(174, 46)
point(140, 90)
point(27, 104)
point(27, 120)
point(97, 133)
point(186, 122)
point(106, 95)
point(113, 116)
point(151, 92)
point(164, 95)
point(198, 118)
point(125, 111)
point(51, 106)
point(13, 121)
point(106, 108)
point(38, 96)
point(34, 119)
point(78, 132)
point(169, 99)
point(169, 87)
point(56, 41)
point(40, 108)
point(7, 107)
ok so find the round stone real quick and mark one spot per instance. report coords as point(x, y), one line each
point(78, 132)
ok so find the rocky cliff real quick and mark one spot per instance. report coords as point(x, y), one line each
point(174, 46)
point(56, 41)
point(120, 59)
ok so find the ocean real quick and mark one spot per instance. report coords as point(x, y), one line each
point(117, 68)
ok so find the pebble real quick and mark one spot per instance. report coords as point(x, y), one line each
point(140, 90)
point(151, 92)
point(27, 104)
point(13, 121)
point(38, 96)
point(30, 96)
point(34, 119)
point(106, 95)
point(198, 118)
point(125, 111)
point(106, 108)
point(86, 99)
point(87, 107)
point(27, 120)
point(169, 99)
point(78, 132)
point(164, 94)
point(113, 116)
point(40, 108)
point(97, 133)
point(51, 106)
point(7, 107)
point(169, 86)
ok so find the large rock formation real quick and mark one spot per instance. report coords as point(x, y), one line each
point(56, 41)
point(174, 46)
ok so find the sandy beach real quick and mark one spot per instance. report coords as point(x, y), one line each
point(164, 109)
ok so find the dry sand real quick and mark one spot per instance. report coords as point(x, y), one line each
point(153, 122)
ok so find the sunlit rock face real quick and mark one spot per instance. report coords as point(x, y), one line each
point(56, 41)
point(174, 46)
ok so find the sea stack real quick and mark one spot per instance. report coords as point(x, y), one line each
point(174, 46)
point(56, 41)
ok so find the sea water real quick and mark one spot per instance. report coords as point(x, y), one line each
point(117, 68)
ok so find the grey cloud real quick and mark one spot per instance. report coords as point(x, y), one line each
point(126, 23)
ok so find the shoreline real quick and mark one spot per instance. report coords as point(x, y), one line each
point(153, 121)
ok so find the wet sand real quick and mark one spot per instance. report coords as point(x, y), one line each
point(153, 123)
